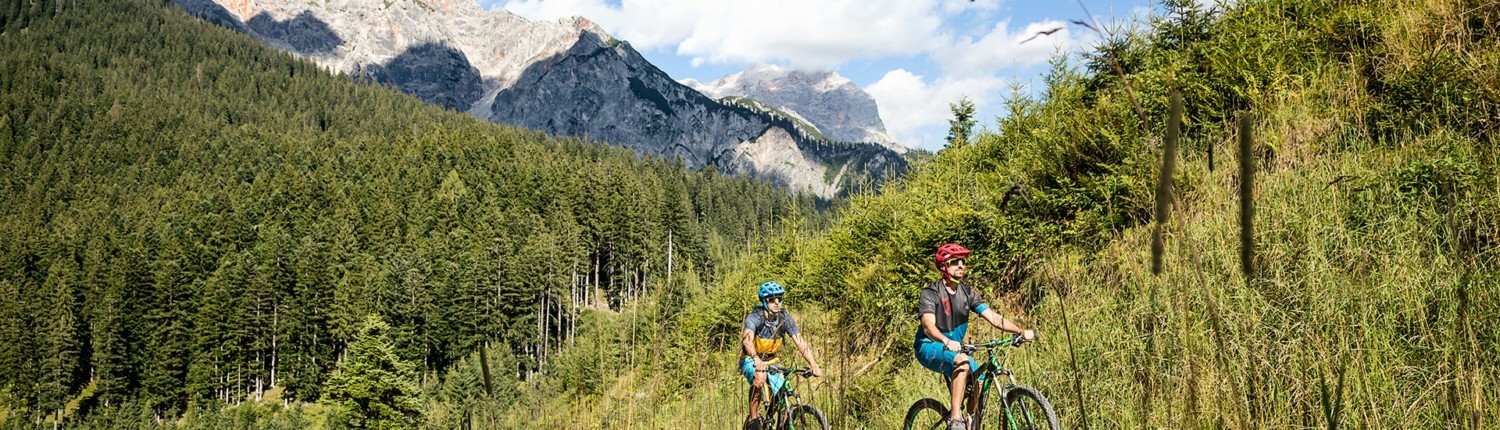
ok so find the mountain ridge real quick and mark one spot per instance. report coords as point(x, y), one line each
point(829, 101)
point(563, 77)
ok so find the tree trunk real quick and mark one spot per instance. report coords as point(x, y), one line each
point(275, 329)
point(542, 330)
point(484, 365)
point(669, 258)
point(573, 311)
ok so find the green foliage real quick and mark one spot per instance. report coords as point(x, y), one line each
point(235, 215)
point(961, 127)
point(1375, 233)
point(461, 400)
point(191, 220)
point(374, 388)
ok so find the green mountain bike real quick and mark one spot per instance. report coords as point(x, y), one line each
point(786, 411)
point(1010, 406)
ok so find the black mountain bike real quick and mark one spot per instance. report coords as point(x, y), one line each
point(785, 410)
point(1009, 406)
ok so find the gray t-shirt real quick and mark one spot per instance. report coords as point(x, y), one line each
point(952, 310)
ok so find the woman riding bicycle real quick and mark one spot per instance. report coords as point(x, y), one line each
point(944, 308)
point(760, 340)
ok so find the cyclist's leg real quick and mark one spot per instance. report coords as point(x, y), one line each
point(935, 357)
point(775, 382)
point(961, 364)
point(756, 380)
point(975, 385)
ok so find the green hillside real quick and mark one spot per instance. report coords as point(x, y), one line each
point(198, 230)
point(1375, 291)
point(188, 214)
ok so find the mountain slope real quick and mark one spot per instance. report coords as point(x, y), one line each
point(1376, 239)
point(832, 103)
point(192, 220)
point(565, 77)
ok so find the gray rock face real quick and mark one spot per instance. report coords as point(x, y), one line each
point(831, 103)
point(433, 72)
point(565, 77)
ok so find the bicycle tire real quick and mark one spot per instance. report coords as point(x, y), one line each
point(917, 420)
point(807, 417)
point(1016, 405)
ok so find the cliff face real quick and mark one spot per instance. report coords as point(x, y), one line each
point(565, 77)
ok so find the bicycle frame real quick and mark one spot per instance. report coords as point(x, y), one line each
point(986, 380)
point(782, 401)
point(980, 383)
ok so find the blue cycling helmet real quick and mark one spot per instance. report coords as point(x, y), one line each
point(771, 288)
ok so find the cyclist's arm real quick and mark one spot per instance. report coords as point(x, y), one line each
point(747, 344)
point(999, 321)
point(807, 354)
point(929, 326)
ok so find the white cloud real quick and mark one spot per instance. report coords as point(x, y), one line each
point(971, 51)
point(812, 34)
point(796, 32)
point(1002, 49)
point(910, 105)
point(646, 24)
point(1208, 5)
point(954, 7)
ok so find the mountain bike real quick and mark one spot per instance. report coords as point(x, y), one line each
point(786, 411)
point(1010, 406)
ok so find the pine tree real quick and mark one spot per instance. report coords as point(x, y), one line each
point(15, 336)
point(374, 387)
point(962, 124)
point(61, 345)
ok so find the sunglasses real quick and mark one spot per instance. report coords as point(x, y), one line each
point(773, 299)
point(957, 262)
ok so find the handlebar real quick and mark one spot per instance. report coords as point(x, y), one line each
point(799, 371)
point(1009, 341)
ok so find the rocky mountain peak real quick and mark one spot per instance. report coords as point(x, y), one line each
point(564, 77)
point(833, 104)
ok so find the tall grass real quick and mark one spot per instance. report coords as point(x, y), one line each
point(1361, 292)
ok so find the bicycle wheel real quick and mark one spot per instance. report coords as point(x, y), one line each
point(1028, 409)
point(991, 409)
point(926, 414)
point(807, 417)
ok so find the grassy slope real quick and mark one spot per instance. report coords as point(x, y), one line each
point(1376, 229)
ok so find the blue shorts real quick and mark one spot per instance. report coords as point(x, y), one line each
point(775, 380)
point(936, 358)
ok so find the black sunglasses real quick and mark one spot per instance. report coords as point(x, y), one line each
point(776, 299)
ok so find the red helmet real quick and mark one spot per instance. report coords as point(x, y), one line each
point(949, 252)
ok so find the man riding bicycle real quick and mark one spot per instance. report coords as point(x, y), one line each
point(760, 340)
point(944, 308)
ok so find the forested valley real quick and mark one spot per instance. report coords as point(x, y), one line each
point(201, 232)
point(191, 221)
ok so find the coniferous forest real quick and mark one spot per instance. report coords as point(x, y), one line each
point(198, 231)
point(191, 219)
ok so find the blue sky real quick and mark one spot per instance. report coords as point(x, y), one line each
point(913, 56)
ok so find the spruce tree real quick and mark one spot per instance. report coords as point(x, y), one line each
point(374, 388)
point(962, 124)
